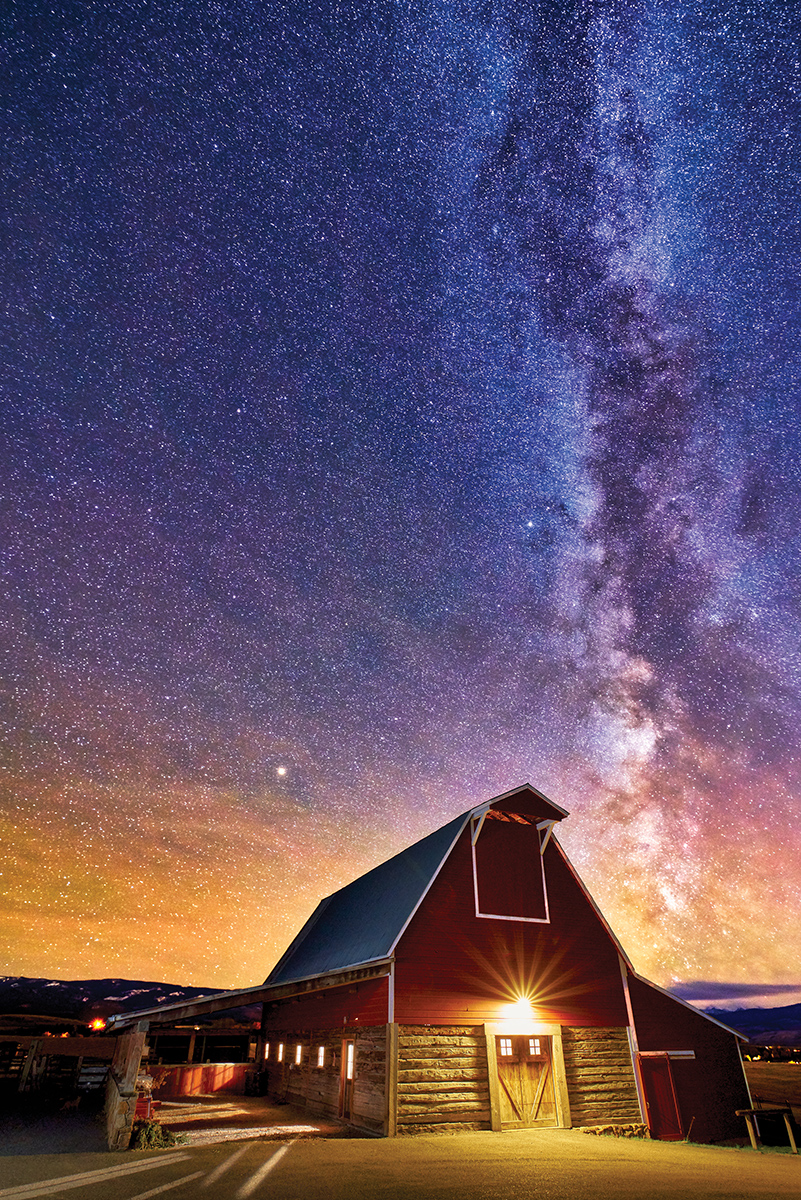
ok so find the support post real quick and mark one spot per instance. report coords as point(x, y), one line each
point(121, 1087)
point(391, 1129)
point(562, 1094)
point(492, 1079)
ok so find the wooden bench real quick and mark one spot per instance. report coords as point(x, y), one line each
point(773, 1110)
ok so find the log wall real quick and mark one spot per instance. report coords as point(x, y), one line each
point(442, 1079)
point(600, 1077)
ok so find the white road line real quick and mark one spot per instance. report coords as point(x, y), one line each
point(264, 1170)
point(223, 1167)
point(166, 1187)
point(66, 1182)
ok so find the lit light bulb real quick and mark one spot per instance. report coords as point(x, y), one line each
point(521, 1012)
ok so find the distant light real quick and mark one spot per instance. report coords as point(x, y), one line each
point(280, 771)
point(98, 1023)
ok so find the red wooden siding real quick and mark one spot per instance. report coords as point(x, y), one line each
point(201, 1079)
point(455, 968)
point(353, 1004)
point(710, 1087)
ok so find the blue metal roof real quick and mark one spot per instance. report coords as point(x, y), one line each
point(362, 922)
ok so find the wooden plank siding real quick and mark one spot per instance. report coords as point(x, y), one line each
point(442, 1079)
point(600, 1076)
point(452, 967)
point(370, 1079)
point(318, 1088)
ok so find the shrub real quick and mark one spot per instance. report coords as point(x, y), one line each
point(151, 1135)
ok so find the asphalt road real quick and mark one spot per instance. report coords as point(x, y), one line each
point(527, 1165)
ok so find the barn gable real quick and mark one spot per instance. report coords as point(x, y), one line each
point(454, 963)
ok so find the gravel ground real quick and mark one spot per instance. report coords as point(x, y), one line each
point(221, 1118)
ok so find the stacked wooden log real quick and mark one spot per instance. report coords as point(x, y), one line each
point(600, 1077)
point(442, 1079)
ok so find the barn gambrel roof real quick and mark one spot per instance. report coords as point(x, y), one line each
point(363, 921)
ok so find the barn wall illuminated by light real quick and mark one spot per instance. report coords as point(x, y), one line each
point(472, 983)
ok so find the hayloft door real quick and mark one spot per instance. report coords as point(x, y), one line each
point(525, 1075)
point(664, 1120)
point(346, 1082)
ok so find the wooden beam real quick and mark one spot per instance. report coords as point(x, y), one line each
point(33, 1050)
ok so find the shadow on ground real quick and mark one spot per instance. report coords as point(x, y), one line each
point(31, 1125)
point(34, 1125)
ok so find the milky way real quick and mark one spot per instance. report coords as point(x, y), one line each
point(400, 403)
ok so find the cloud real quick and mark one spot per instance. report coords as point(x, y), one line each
point(701, 989)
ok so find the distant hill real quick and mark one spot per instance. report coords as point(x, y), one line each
point(765, 1026)
point(85, 999)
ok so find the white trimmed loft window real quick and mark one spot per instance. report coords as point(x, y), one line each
point(506, 1047)
point(509, 870)
point(534, 1046)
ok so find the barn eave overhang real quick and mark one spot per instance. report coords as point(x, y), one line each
point(165, 1014)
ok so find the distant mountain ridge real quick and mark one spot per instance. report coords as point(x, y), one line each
point(771, 1026)
point(85, 999)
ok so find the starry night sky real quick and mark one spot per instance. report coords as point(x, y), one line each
point(400, 402)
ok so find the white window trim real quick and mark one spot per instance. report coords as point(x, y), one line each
point(546, 920)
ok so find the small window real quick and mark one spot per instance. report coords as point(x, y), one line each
point(266, 1051)
point(349, 1061)
point(506, 1047)
point(534, 1047)
point(298, 1054)
point(321, 1056)
point(280, 1051)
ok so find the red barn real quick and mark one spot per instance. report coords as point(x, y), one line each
point(471, 982)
